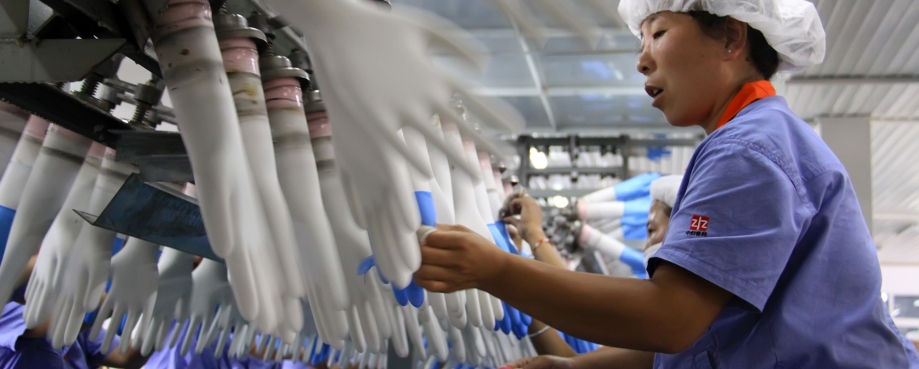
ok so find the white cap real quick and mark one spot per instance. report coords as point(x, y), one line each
point(664, 189)
point(792, 27)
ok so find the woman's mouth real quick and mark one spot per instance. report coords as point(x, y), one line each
point(654, 92)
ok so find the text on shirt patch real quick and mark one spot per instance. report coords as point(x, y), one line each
point(698, 226)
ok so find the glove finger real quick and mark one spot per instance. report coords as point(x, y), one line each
point(74, 323)
point(104, 311)
point(127, 334)
point(190, 334)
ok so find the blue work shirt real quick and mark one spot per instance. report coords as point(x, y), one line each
point(767, 212)
point(17, 352)
point(171, 358)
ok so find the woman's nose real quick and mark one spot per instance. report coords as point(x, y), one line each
point(645, 63)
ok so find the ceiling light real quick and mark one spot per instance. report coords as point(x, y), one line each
point(538, 159)
point(560, 201)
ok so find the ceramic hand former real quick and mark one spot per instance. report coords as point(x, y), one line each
point(42, 291)
point(134, 285)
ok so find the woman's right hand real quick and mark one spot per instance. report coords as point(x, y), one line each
point(531, 217)
point(541, 362)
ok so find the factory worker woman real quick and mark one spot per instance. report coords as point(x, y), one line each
point(767, 262)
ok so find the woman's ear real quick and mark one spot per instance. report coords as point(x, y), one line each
point(735, 37)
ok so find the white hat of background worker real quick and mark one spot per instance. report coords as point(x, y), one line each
point(665, 189)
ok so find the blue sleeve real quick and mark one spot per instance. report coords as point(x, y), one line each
point(737, 222)
point(93, 349)
point(12, 326)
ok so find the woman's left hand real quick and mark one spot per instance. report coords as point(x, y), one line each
point(455, 258)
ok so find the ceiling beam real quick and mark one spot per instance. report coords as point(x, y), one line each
point(834, 80)
point(560, 91)
point(896, 216)
point(548, 32)
point(535, 75)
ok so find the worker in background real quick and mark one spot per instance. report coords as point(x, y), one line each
point(663, 195)
point(767, 262)
point(22, 348)
point(545, 339)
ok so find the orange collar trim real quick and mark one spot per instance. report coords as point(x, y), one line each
point(747, 95)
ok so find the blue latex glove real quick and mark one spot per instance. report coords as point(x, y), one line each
point(6, 222)
point(635, 220)
point(313, 350)
point(117, 245)
point(635, 187)
point(414, 294)
point(638, 206)
point(634, 233)
point(511, 321)
point(635, 260)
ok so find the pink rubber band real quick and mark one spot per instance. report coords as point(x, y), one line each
point(66, 133)
point(283, 93)
point(586, 233)
point(97, 150)
point(447, 126)
point(190, 190)
point(484, 161)
point(37, 127)
point(12, 109)
point(319, 124)
point(582, 210)
point(239, 55)
point(181, 15)
point(468, 145)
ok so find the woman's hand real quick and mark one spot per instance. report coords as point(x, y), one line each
point(541, 362)
point(530, 223)
point(455, 258)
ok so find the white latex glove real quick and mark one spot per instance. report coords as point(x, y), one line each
point(399, 337)
point(173, 296)
point(210, 291)
point(89, 265)
point(469, 215)
point(485, 211)
point(353, 246)
point(300, 182)
point(241, 64)
point(134, 285)
point(414, 327)
point(475, 345)
point(459, 345)
point(385, 201)
point(41, 293)
point(564, 12)
point(50, 180)
point(20, 166)
point(230, 205)
point(411, 93)
point(436, 336)
point(227, 321)
point(442, 191)
point(401, 87)
point(492, 352)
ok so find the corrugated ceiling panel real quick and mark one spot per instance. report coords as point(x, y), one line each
point(895, 168)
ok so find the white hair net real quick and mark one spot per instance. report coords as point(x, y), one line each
point(791, 27)
point(664, 189)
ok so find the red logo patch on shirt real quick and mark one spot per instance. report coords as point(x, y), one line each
point(699, 223)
